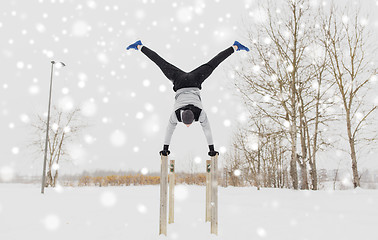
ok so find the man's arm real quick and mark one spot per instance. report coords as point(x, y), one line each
point(172, 123)
point(206, 127)
point(207, 131)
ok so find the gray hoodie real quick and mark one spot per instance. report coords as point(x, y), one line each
point(184, 97)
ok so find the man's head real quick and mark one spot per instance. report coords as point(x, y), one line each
point(187, 117)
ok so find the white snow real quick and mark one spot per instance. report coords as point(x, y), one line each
point(51, 222)
point(133, 213)
point(6, 173)
point(108, 199)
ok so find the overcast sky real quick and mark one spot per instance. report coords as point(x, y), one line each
point(125, 98)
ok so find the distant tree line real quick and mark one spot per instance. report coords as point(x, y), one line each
point(139, 179)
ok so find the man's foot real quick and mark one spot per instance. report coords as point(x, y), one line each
point(240, 46)
point(135, 45)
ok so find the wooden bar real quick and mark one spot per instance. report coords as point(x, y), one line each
point(172, 179)
point(163, 195)
point(208, 191)
point(214, 195)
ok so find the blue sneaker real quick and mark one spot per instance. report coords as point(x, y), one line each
point(134, 45)
point(240, 46)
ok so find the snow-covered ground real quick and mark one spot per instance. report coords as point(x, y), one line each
point(112, 213)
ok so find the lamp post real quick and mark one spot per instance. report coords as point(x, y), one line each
point(61, 64)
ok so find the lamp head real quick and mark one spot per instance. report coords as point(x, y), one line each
point(59, 64)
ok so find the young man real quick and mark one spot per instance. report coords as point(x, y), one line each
point(187, 85)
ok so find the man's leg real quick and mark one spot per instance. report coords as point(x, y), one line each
point(204, 71)
point(170, 71)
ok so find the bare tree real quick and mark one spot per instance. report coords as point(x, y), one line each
point(64, 128)
point(280, 77)
point(347, 43)
point(258, 156)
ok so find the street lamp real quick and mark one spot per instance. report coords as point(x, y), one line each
point(59, 64)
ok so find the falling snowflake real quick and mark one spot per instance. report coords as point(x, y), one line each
point(162, 88)
point(67, 129)
point(40, 27)
point(146, 83)
point(267, 41)
point(102, 58)
point(266, 98)
point(140, 14)
point(142, 208)
point(222, 149)
point(253, 142)
point(77, 153)
point(261, 232)
point(184, 14)
point(55, 166)
point(65, 90)
point(89, 139)
point(91, 4)
point(80, 29)
point(15, 150)
point(24, 118)
point(144, 171)
point(259, 15)
point(89, 108)
point(55, 127)
point(139, 115)
point(373, 79)
point(149, 107)
point(256, 69)
point(376, 101)
point(66, 103)
point(345, 19)
point(118, 138)
point(20, 65)
point(227, 123)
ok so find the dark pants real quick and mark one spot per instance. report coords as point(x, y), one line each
point(181, 79)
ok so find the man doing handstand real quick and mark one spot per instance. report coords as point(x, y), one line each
point(187, 85)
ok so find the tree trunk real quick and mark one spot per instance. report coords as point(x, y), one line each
point(49, 178)
point(293, 133)
point(356, 179)
point(294, 158)
point(55, 178)
point(293, 169)
point(304, 185)
point(302, 160)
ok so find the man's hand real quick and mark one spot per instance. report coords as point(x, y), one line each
point(165, 152)
point(213, 153)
